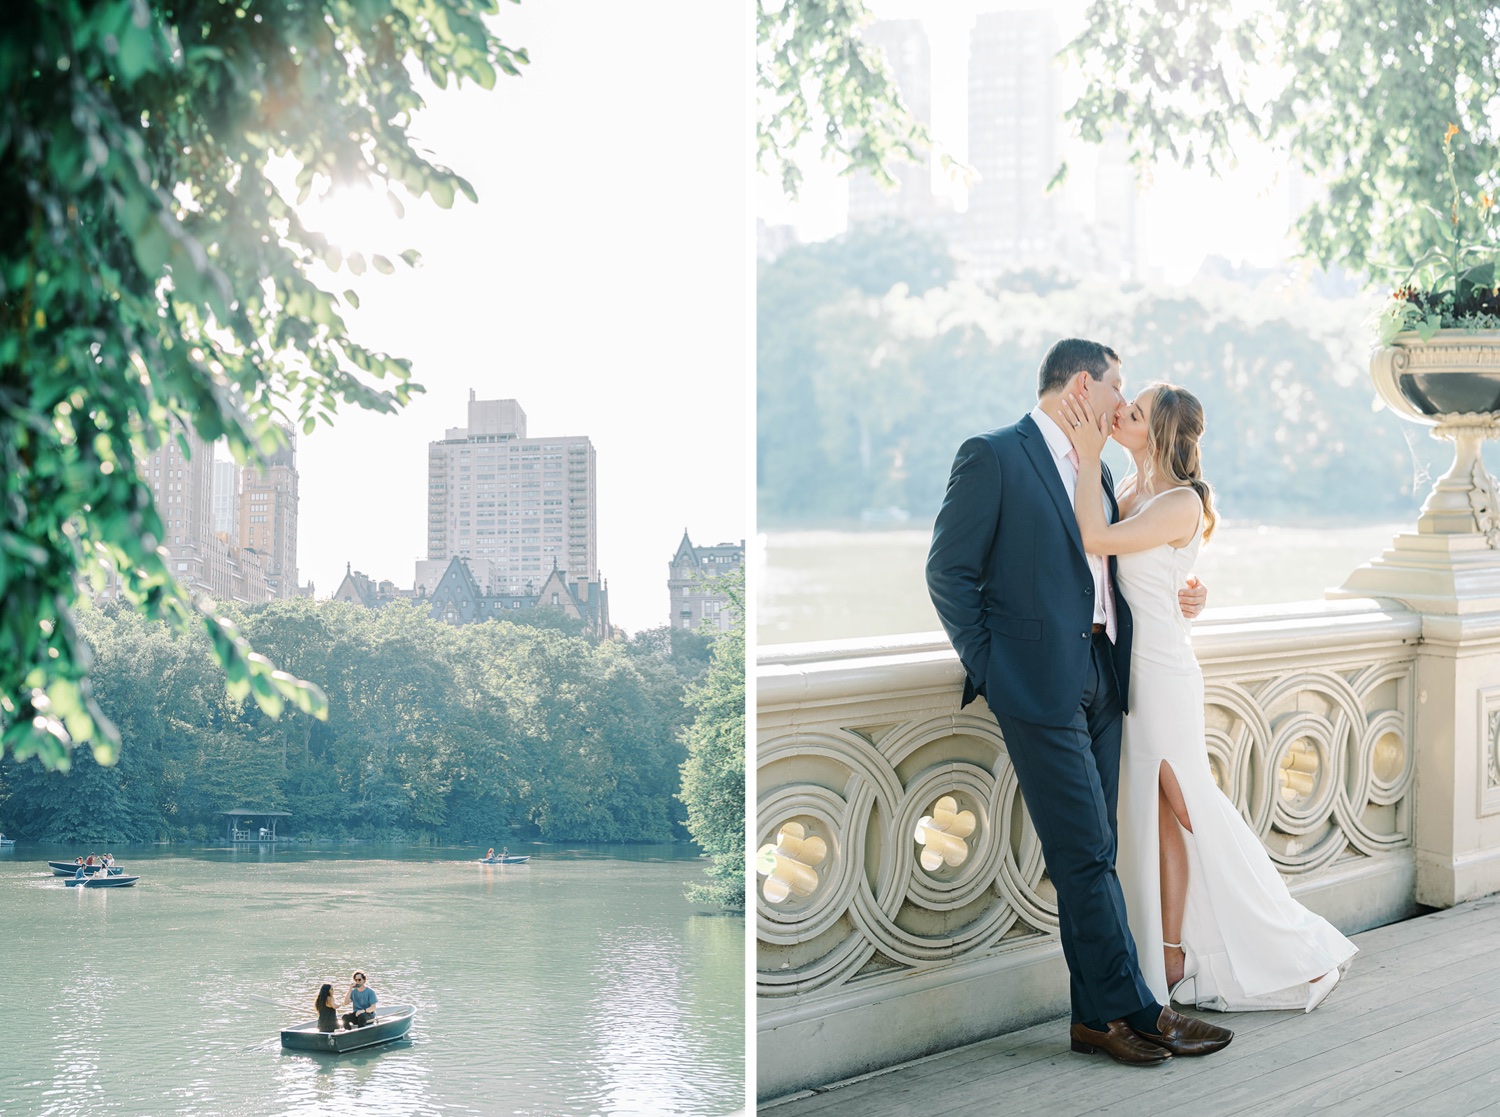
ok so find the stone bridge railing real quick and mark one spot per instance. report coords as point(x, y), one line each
point(1320, 718)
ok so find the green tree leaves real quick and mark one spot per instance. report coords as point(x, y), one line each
point(1360, 96)
point(814, 76)
point(153, 281)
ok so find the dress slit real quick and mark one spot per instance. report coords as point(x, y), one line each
point(1252, 945)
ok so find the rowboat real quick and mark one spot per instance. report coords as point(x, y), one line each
point(102, 882)
point(391, 1022)
point(59, 869)
point(513, 859)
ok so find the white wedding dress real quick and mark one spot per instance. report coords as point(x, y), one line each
point(1253, 946)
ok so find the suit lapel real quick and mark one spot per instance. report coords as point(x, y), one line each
point(1035, 446)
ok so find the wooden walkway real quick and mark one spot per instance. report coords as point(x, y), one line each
point(1414, 1027)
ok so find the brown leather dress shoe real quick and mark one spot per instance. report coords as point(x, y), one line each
point(1186, 1035)
point(1121, 1043)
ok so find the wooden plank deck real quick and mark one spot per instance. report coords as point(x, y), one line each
point(1413, 1028)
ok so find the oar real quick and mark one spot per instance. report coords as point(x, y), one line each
point(278, 1004)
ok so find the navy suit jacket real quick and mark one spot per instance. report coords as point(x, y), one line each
point(1010, 581)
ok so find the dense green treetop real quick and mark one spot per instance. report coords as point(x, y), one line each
point(714, 773)
point(455, 733)
point(1359, 94)
point(154, 279)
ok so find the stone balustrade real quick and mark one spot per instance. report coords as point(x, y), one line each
point(866, 956)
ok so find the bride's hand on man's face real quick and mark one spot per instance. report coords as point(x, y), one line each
point(1087, 431)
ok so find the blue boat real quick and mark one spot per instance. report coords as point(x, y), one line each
point(101, 882)
point(391, 1022)
point(513, 859)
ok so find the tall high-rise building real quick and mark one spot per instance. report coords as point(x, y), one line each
point(183, 491)
point(514, 507)
point(1013, 124)
point(909, 59)
point(182, 486)
point(268, 517)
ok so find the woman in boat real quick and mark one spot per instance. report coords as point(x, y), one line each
point(490, 856)
point(328, 1009)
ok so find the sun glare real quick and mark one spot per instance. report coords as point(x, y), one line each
point(358, 219)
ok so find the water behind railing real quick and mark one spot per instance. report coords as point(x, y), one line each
point(833, 585)
point(580, 983)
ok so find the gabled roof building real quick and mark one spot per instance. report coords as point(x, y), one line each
point(696, 599)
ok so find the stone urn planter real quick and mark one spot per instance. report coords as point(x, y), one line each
point(1450, 382)
point(1451, 563)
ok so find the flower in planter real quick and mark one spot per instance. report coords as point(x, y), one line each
point(1453, 284)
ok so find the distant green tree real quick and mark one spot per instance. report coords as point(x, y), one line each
point(154, 280)
point(815, 76)
point(891, 387)
point(814, 418)
point(713, 776)
point(1359, 94)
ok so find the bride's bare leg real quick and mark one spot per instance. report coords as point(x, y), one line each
point(1172, 819)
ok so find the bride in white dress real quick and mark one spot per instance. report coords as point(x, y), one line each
point(1213, 922)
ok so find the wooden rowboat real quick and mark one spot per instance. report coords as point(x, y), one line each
point(61, 870)
point(102, 882)
point(391, 1022)
point(513, 859)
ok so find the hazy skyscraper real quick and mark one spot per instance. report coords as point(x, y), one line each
point(1013, 120)
point(1116, 191)
point(268, 517)
point(909, 59)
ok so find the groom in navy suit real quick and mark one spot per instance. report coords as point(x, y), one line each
point(1045, 639)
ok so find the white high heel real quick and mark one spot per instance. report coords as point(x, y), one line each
point(1317, 991)
point(1189, 973)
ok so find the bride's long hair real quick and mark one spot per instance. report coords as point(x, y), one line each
point(1172, 437)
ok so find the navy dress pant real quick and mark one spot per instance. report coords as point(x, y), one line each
point(1070, 781)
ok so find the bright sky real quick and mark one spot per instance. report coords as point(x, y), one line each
point(604, 281)
point(1182, 217)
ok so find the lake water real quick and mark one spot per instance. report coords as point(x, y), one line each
point(580, 983)
point(832, 585)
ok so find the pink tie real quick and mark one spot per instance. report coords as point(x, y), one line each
point(1109, 592)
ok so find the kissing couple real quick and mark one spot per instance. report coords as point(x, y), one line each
point(1070, 607)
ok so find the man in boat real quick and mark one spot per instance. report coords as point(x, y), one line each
point(362, 999)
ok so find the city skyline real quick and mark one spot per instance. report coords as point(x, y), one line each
point(594, 281)
point(1179, 215)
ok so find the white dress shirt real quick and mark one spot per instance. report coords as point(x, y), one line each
point(1060, 446)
